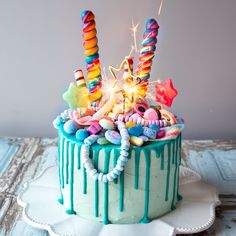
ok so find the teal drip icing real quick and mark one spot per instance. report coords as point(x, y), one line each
point(122, 191)
point(116, 156)
point(173, 152)
point(71, 183)
point(158, 152)
point(179, 197)
point(168, 172)
point(67, 162)
point(136, 166)
point(62, 162)
point(78, 157)
point(106, 169)
point(145, 218)
point(60, 200)
point(84, 181)
point(175, 173)
point(162, 157)
point(96, 186)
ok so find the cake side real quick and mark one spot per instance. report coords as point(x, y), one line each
point(146, 189)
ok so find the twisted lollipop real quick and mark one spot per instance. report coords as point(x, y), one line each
point(92, 56)
point(147, 53)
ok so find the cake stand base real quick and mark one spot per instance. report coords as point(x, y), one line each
point(195, 213)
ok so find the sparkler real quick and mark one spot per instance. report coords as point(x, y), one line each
point(134, 30)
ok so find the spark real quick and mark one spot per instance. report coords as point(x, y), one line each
point(132, 49)
point(134, 30)
point(160, 8)
point(104, 72)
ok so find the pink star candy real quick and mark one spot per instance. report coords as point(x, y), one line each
point(165, 92)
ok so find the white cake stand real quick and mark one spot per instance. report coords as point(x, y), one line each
point(195, 213)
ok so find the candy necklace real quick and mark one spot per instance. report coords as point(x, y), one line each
point(121, 162)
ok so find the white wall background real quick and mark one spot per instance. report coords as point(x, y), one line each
point(41, 44)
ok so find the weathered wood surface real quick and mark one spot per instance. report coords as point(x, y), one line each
point(22, 159)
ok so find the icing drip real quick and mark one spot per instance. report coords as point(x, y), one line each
point(67, 162)
point(106, 169)
point(71, 157)
point(84, 181)
point(136, 166)
point(122, 191)
point(145, 219)
point(162, 158)
point(175, 173)
point(116, 156)
point(78, 154)
point(173, 153)
point(59, 154)
point(179, 197)
point(96, 185)
point(62, 162)
point(168, 171)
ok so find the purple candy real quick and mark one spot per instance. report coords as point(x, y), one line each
point(94, 128)
point(160, 134)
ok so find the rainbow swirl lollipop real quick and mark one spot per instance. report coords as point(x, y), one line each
point(147, 53)
point(92, 56)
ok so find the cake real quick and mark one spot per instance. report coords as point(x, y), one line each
point(119, 149)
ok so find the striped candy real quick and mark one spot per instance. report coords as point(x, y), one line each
point(92, 56)
point(147, 53)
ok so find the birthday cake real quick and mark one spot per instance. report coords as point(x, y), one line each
point(119, 149)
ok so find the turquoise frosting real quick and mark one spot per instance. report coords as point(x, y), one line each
point(66, 159)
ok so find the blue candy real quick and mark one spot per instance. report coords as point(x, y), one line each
point(70, 127)
point(59, 120)
point(150, 133)
point(155, 127)
point(136, 130)
point(113, 137)
point(81, 134)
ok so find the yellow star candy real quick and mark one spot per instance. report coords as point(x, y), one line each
point(76, 96)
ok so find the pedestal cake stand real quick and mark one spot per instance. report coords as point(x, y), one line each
point(195, 213)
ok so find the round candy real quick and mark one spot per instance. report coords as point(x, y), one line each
point(150, 133)
point(81, 134)
point(107, 123)
point(70, 127)
point(59, 120)
point(94, 128)
point(140, 108)
point(102, 141)
point(113, 137)
point(136, 141)
point(160, 134)
point(136, 130)
point(168, 116)
point(150, 114)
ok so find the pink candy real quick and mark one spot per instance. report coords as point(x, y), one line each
point(94, 128)
point(150, 114)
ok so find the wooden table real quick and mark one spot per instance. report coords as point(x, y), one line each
point(22, 159)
